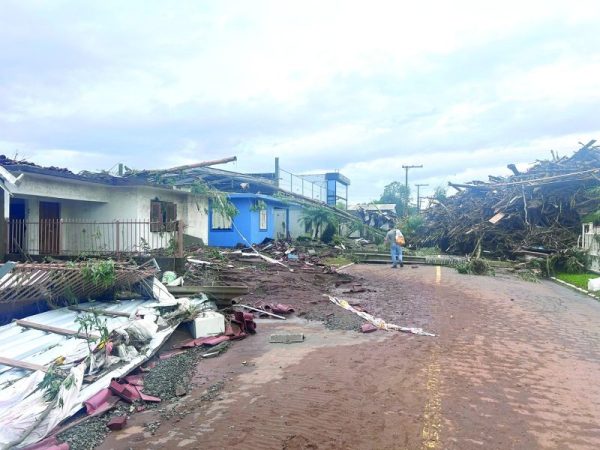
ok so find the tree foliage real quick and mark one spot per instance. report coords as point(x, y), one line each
point(316, 218)
point(396, 193)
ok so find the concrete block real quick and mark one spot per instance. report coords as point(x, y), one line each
point(117, 423)
point(594, 284)
point(286, 338)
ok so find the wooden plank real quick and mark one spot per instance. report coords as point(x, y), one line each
point(102, 312)
point(222, 292)
point(21, 364)
point(55, 330)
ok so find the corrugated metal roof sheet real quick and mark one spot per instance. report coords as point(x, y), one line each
point(40, 347)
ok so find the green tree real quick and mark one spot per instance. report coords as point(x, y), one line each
point(316, 218)
point(440, 193)
point(396, 193)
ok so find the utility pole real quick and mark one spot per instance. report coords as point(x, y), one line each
point(419, 195)
point(406, 182)
point(406, 169)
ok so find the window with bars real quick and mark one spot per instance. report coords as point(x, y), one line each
point(163, 216)
point(220, 221)
point(262, 219)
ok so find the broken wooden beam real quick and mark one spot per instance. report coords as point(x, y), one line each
point(251, 308)
point(55, 330)
point(21, 364)
point(218, 292)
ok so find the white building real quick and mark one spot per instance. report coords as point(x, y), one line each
point(590, 241)
point(51, 211)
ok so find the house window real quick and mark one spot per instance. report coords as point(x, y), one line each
point(163, 216)
point(220, 221)
point(262, 219)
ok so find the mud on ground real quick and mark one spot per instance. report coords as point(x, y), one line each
point(513, 366)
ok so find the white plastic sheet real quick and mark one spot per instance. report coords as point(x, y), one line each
point(28, 417)
point(379, 323)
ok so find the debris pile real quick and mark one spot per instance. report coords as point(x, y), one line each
point(64, 281)
point(381, 216)
point(534, 212)
point(54, 363)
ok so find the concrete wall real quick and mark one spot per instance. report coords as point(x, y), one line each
point(296, 227)
point(88, 202)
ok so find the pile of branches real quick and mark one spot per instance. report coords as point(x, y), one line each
point(537, 211)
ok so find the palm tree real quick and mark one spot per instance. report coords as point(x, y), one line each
point(316, 218)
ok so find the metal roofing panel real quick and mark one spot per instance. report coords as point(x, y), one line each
point(40, 347)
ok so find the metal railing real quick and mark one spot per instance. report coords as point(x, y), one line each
point(590, 241)
point(590, 238)
point(72, 237)
point(299, 185)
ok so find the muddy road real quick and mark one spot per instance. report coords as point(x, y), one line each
point(515, 365)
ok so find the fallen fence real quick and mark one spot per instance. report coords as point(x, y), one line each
point(31, 282)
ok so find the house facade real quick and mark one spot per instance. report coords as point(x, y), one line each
point(259, 217)
point(55, 212)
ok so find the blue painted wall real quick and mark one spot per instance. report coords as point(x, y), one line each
point(247, 222)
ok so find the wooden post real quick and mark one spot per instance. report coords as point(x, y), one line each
point(180, 225)
point(60, 236)
point(117, 239)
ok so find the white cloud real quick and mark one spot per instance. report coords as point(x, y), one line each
point(462, 87)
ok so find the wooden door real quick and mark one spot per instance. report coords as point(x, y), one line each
point(49, 228)
point(279, 217)
point(18, 227)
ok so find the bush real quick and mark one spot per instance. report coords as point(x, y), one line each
point(100, 272)
point(475, 266)
point(328, 233)
point(572, 260)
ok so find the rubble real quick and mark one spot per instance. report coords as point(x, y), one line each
point(534, 212)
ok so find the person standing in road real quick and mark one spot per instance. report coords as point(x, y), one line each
point(395, 239)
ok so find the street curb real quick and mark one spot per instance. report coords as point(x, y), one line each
point(572, 286)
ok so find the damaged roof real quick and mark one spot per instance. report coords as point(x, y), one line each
point(178, 177)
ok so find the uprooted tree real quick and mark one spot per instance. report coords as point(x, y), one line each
point(538, 210)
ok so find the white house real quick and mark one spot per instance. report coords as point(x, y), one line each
point(590, 241)
point(50, 211)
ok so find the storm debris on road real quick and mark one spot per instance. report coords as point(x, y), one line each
point(539, 210)
point(379, 323)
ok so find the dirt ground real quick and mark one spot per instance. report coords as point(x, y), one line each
point(514, 365)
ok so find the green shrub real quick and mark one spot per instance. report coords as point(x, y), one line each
point(100, 272)
point(475, 266)
point(328, 233)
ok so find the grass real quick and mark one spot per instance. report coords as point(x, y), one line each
point(577, 279)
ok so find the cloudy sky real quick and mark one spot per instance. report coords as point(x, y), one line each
point(461, 87)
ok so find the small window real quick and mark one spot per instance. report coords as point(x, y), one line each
point(220, 221)
point(163, 216)
point(262, 219)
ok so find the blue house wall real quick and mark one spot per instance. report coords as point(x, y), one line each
point(246, 221)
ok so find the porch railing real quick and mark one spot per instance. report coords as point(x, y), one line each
point(590, 241)
point(73, 237)
point(590, 238)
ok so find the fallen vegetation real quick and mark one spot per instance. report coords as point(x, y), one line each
point(537, 212)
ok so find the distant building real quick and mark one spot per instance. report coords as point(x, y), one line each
point(335, 185)
point(377, 215)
